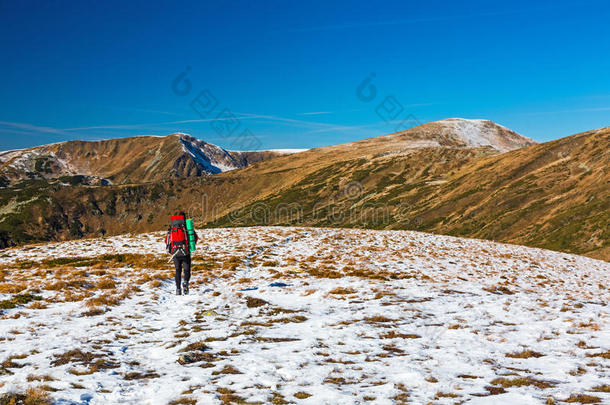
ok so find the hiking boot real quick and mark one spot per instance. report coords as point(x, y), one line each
point(178, 291)
point(185, 288)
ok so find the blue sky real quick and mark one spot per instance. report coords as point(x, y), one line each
point(287, 74)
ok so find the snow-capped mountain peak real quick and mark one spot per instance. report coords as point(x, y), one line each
point(478, 132)
point(466, 133)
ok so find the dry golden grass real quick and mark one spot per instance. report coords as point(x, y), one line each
point(605, 355)
point(232, 263)
point(94, 312)
point(92, 361)
point(365, 273)
point(589, 325)
point(71, 276)
point(498, 289)
point(102, 300)
point(149, 276)
point(18, 300)
point(522, 381)
point(46, 378)
point(583, 399)
point(75, 355)
point(228, 396)
point(183, 401)
point(227, 369)
point(134, 375)
point(106, 283)
point(378, 319)
point(342, 290)
point(323, 271)
point(308, 292)
point(403, 396)
point(74, 296)
point(36, 396)
point(526, 354)
point(9, 363)
point(79, 283)
point(79, 372)
point(279, 310)
point(442, 394)
point(338, 381)
point(252, 302)
point(155, 283)
point(266, 323)
point(55, 285)
point(277, 399)
point(393, 334)
point(12, 288)
point(38, 305)
point(578, 371)
point(293, 319)
point(129, 290)
point(200, 346)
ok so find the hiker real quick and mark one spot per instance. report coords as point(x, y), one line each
point(177, 244)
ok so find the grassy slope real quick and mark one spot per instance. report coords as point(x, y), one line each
point(553, 195)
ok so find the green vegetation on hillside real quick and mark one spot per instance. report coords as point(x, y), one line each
point(554, 195)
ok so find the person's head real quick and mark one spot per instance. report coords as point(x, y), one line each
point(183, 214)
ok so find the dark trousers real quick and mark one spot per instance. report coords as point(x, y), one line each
point(182, 263)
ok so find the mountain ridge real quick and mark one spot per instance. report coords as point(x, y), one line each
point(552, 195)
point(126, 160)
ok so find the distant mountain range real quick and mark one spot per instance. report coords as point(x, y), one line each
point(125, 160)
point(461, 177)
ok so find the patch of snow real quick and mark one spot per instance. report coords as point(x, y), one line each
point(477, 132)
point(207, 159)
point(421, 315)
point(288, 150)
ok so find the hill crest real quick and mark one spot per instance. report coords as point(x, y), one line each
point(128, 160)
point(468, 133)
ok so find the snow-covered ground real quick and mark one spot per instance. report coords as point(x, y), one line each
point(301, 315)
point(475, 133)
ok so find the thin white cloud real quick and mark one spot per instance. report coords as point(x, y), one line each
point(33, 128)
point(145, 125)
point(161, 125)
point(106, 131)
point(5, 130)
point(239, 116)
point(316, 113)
